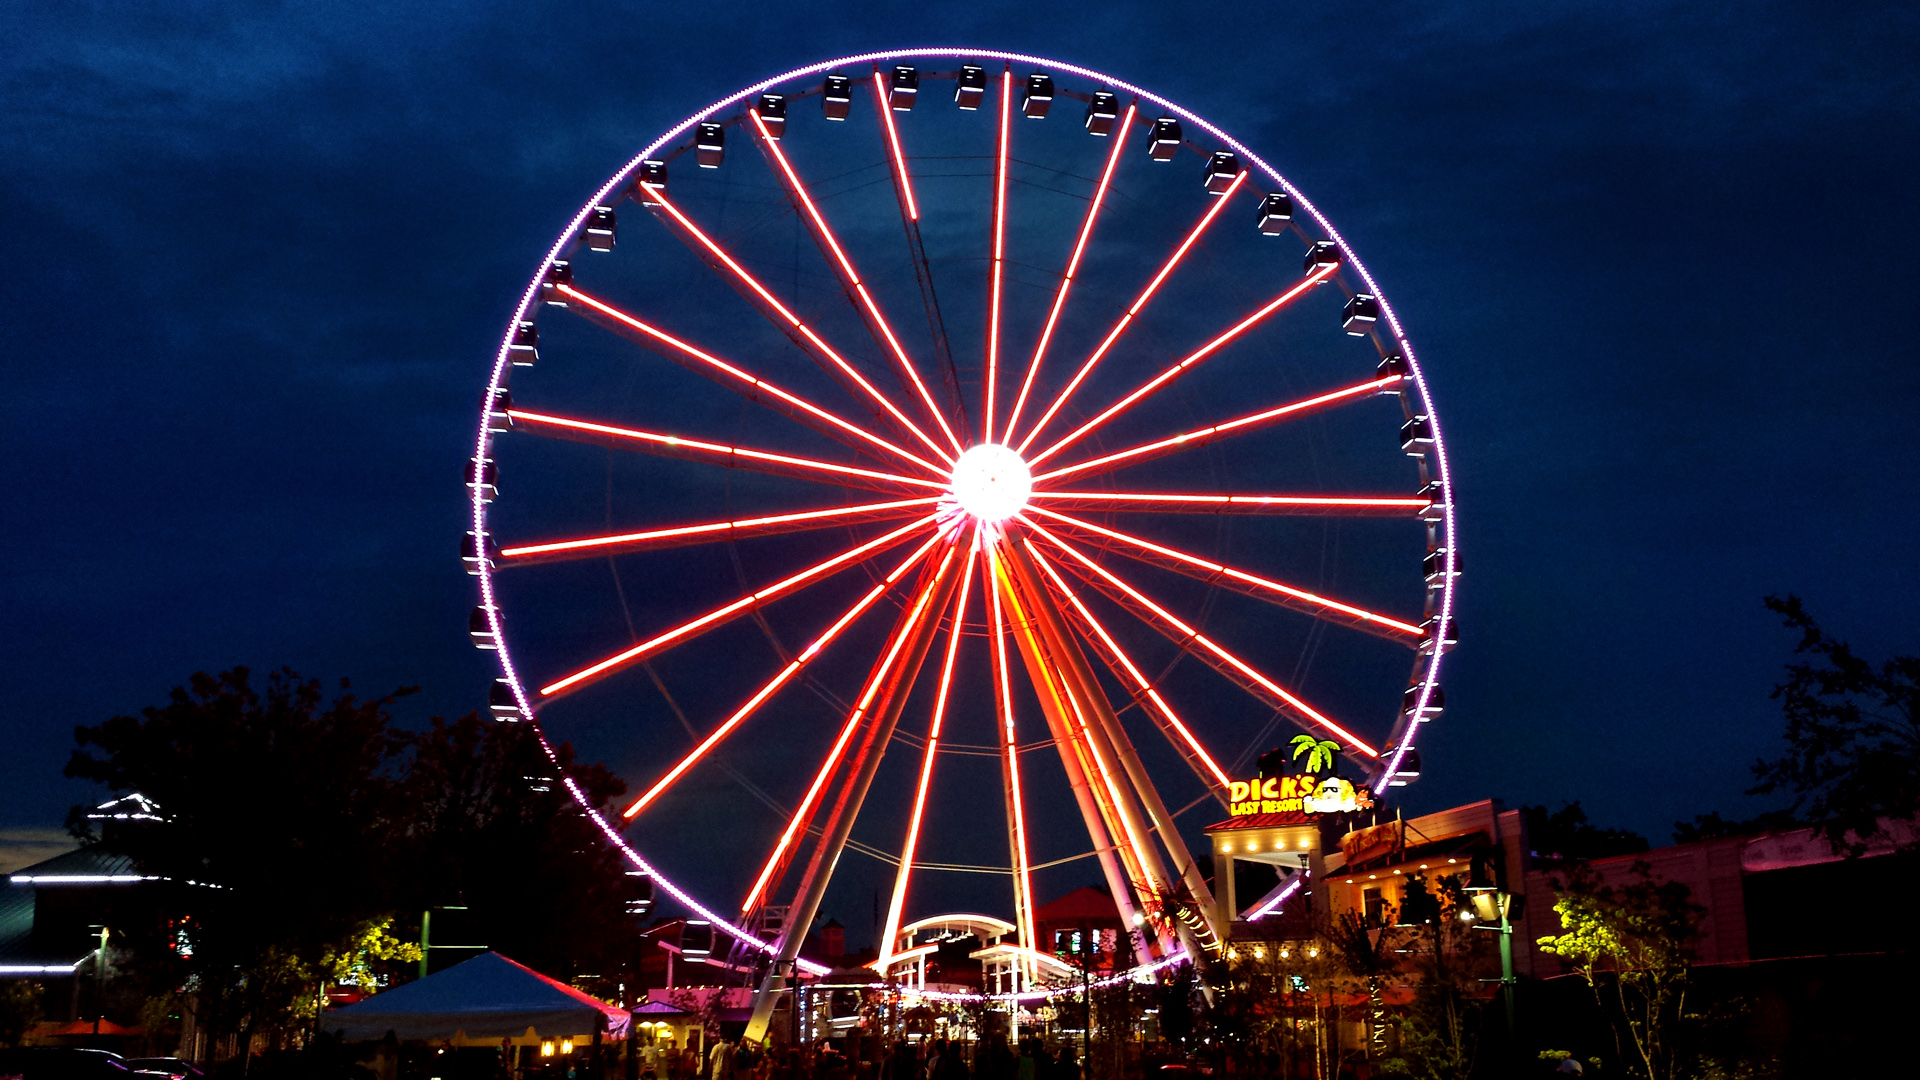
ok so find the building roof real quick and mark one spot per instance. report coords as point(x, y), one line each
point(1085, 902)
point(86, 866)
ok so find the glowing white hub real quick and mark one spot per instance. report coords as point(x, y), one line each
point(991, 482)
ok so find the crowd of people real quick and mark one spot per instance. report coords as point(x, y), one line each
point(928, 1059)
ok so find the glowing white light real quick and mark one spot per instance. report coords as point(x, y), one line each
point(991, 482)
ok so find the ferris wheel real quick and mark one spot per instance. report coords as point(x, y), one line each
point(986, 412)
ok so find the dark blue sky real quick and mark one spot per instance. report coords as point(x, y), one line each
point(1659, 262)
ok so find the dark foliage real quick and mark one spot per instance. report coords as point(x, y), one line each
point(490, 827)
point(1565, 835)
point(1853, 735)
point(278, 840)
point(300, 834)
point(1711, 826)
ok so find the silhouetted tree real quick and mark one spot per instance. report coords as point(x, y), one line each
point(1711, 826)
point(302, 838)
point(1565, 835)
point(490, 827)
point(279, 815)
point(1853, 734)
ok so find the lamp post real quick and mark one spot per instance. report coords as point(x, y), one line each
point(1492, 906)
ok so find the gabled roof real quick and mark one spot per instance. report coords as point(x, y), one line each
point(1085, 902)
point(487, 997)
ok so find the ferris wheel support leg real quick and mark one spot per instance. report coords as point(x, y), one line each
point(846, 808)
point(1102, 828)
point(1104, 728)
point(1116, 736)
point(1010, 780)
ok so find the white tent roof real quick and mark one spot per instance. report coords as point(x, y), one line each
point(487, 997)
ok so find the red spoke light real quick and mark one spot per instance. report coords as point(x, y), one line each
point(773, 685)
point(1073, 268)
point(677, 446)
point(843, 370)
point(852, 276)
point(710, 364)
point(1181, 560)
point(729, 612)
point(1156, 613)
point(1161, 380)
point(1199, 437)
point(1138, 305)
point(713, 532)
point(878, 679)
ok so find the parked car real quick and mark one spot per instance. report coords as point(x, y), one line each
point(171, 1066)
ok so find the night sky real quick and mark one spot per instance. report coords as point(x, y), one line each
point(1659, 262)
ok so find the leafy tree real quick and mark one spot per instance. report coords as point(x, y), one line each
point(1633, 947)
point(279, 810)
point(1440, 1033)
point(1853, 735)
point(19, 1009)
point(490, 827)
point(1318, 752)
point(1367, 958)
point(303, 836)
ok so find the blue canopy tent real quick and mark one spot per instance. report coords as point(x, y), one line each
point(486, 998)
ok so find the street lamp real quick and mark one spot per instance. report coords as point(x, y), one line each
point(1492, 905)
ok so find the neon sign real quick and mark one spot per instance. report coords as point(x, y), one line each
point(1303, 793)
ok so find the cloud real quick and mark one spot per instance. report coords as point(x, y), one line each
point(24, 847)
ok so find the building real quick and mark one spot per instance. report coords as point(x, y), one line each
point(1764, 897)
point(1083, 922)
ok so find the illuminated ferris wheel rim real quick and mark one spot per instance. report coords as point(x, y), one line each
point(963, 487)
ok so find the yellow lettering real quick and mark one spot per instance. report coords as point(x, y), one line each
point(1270, 789)
point(1237, 791)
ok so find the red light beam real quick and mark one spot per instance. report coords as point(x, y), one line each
point(1240, 581)
point(1010, 755)
point(728, 612)
point(1306, 505)
point(1170, 724)
point(1203, 436)
point(711, 532)
point(874, 682)
point(1178, 631)
point(1073, 267)
point(732, 457)
point(773, 685)
point(803, 334)
point(898, 906)
point(752, 386)
point(893, 146)
point(1161, 380)
point(851, 277)
point(1139, 304)
point(999, 252)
